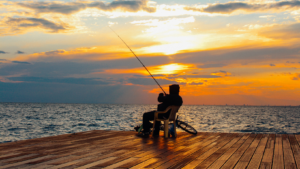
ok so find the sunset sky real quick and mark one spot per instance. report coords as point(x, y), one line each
point(220, 52)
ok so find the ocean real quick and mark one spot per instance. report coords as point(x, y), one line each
point(20, 121)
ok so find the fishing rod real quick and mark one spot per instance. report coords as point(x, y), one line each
point(138, 59)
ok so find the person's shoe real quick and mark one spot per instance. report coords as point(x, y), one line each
point(155, 135)
point(137, 128)
point(143, 134)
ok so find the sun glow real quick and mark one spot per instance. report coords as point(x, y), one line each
point(173, 68)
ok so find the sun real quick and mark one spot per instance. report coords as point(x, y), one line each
point(173, 68)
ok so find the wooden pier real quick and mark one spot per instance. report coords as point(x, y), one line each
point(123, 149)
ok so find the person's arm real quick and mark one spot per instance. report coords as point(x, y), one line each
point(161, 97)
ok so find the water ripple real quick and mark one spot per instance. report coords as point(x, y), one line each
point(19, 121)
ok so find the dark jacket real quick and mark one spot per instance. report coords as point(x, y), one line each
point(168, 100)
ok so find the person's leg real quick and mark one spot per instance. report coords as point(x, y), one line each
point(146, 120)
point(157, 128)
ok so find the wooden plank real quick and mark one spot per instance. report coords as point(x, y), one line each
point(278, 153)
point(231, 162)
point(68, 164)
point(44, 164)
point(121, 156)
point(96, 163)
point(245, 159)
point(159, 154)
point(119, 149)
point(184, 159)
point(296, 149)
point(298, 138)
point(170, 159)
point(4, 161)
point(219, 162)
point(289, 162)
point(267, 159)
point(145, 163)
point(258, 154)
point(207, 158)
point(15, 165)
point(207, 162)
point(120, 163)
point(133, 155)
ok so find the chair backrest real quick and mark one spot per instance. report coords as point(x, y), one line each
point(174, 110)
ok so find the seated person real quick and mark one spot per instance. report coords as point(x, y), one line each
point(166, 100)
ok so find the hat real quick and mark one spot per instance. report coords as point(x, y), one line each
point(174, 89)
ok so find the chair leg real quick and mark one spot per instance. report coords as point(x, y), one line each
point(175, 133)
point(153, 126)
point(166, 123)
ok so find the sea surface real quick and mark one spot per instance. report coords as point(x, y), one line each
point(19, 121)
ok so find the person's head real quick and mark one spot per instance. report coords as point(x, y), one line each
point(174, 89)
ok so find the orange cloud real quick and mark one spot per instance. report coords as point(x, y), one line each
point(231, 7)
point(168, 69)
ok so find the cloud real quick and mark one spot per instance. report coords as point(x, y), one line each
point(221, 73)
point(54, 7)
point(19, 24)
point(73, 7)
point(295, 78)
point(20, 52)
point(239, 56)
point(85, 81)
point(2, 59)
point(74, 93)
point(168, 25)
point(194, 83)
point(266, 16)
point(199, 76)
point(156, 22)
point(128, 6)
point(272, 64)
point(212, 65)
point(2, 52)
point(20, 62)
point(289, 31)
point(149, 81)
point(230, 7)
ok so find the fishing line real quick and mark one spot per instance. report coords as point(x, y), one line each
point(138, 59)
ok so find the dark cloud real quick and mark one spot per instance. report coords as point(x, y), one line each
point(18, 24)
point(2, 52)
point(49, 7)
point(199, 76)
point(194, 83)
point(130, 6)
point(212, 65)
point(227, 8)
point(240, 56)
point(20, 62)
point(222, 71)
point(74, 93)
point(50, 69)
point(53, 67)
point(69, 8)
point(295, 78)
point(149, 81)
point(20, 52)
point(85, 81)
point(2, 59)
point(272, 64)
point(54, 52)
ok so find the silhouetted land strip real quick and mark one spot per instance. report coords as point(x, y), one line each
point(122, 149)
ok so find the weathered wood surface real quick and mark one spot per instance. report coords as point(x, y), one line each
point(123, 149)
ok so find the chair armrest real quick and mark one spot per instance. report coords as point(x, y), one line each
point(158, 112)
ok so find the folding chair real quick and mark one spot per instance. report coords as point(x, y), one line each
point(172, 118)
